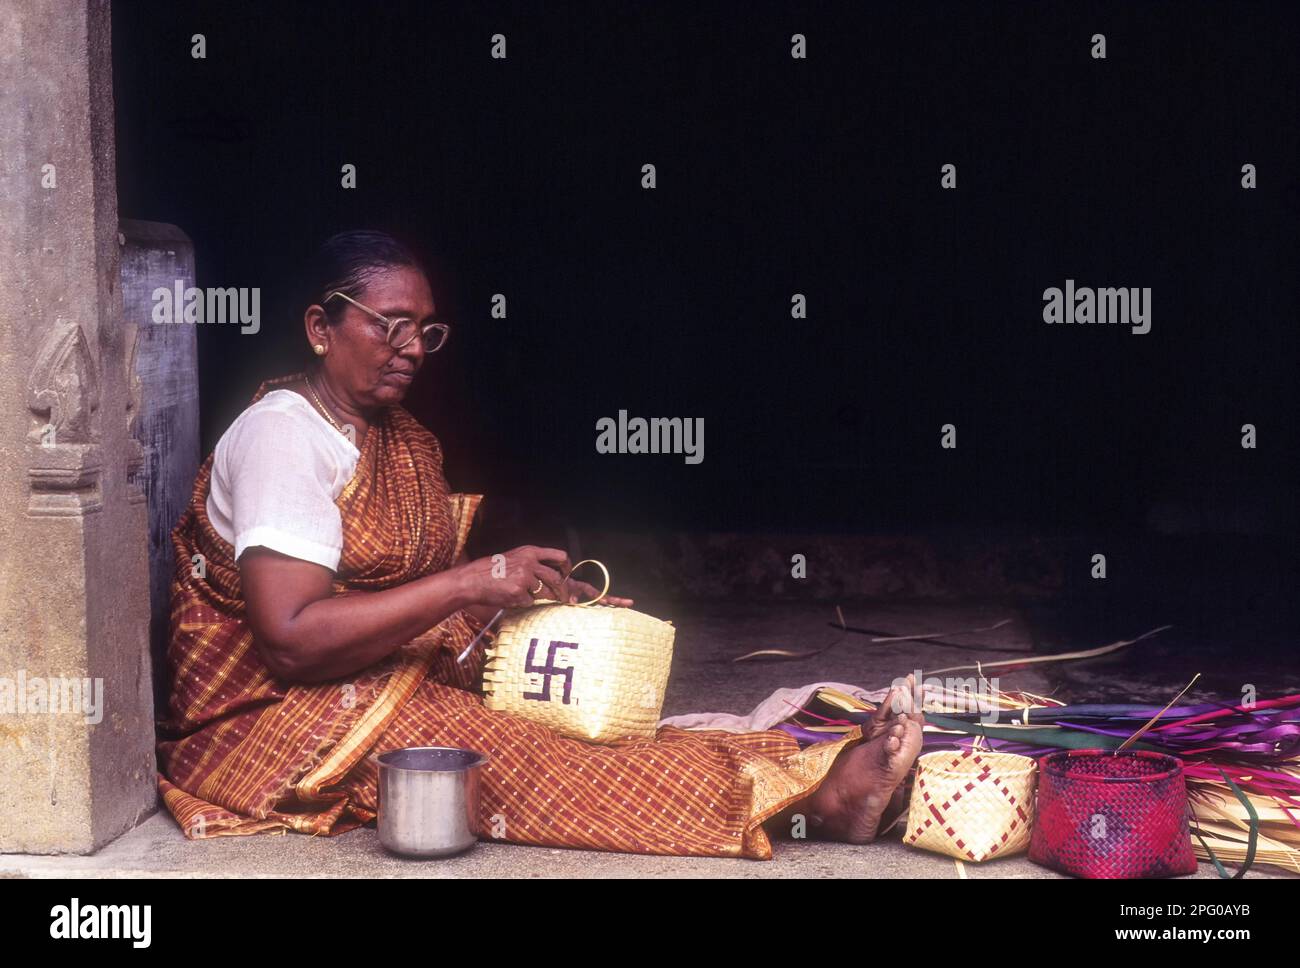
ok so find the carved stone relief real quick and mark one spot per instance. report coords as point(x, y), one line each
point(63, 395)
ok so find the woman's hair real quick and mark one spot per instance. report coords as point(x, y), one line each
point(347, 261)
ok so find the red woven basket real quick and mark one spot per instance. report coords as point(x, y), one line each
point(1107, 814)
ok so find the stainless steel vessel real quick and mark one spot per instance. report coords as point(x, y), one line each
point(428, 800)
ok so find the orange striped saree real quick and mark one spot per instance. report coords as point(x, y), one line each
point(241, 752)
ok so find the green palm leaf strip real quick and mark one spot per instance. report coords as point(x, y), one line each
point(1067, 739)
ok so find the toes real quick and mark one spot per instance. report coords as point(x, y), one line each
point(917, 695)
point(916, 700)
point(914, 737)
point(901, 747)
point(888, 753)
point(910, 693)
point(897, 700)
point(881, 712)
point(900, 701)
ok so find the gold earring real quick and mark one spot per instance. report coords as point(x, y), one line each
point(320, 350)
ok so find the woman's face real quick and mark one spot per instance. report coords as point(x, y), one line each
point(359, 362)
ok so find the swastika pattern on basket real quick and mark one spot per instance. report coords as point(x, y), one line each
point(971, 805)
point(1106, 814)
point(597, 674)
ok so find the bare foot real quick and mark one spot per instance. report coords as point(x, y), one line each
point(852, 800)
point(901, 699)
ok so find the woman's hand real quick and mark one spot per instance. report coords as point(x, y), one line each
point(516, 578)
point(512, 581)
point(579, 591)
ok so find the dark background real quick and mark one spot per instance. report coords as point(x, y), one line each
point(775, 176)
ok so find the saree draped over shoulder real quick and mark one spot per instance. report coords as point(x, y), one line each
point(242, 752)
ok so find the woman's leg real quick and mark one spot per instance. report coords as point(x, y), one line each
point(687, 793)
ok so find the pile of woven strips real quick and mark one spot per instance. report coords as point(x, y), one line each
point(1254, 747)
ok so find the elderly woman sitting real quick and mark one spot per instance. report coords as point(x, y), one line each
point(322, 596)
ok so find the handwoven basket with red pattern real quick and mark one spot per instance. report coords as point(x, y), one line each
point(971, 804)
point(1108, 814)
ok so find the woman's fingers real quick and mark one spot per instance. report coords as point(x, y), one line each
point(554, 556)
point(550, 566)
point(581, 591)
point(550, 579)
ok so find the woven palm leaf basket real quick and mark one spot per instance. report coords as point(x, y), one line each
point(972, 804)
point(597, 674)
point(1113, 814)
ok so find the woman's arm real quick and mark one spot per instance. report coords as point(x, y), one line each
point(305, 633)
point(484, 613)
point(573, 591)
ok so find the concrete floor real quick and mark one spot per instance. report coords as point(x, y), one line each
point(703, 679)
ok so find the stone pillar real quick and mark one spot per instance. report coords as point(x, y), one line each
point(76, 763)
point(156, 255)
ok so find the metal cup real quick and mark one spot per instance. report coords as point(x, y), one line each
point(428, 800)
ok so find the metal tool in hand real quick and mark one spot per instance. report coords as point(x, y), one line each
point(482, 632)
point(545, 601)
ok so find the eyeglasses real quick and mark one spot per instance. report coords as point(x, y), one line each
point(403, 329)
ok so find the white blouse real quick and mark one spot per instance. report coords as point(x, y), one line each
point(275, 476)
